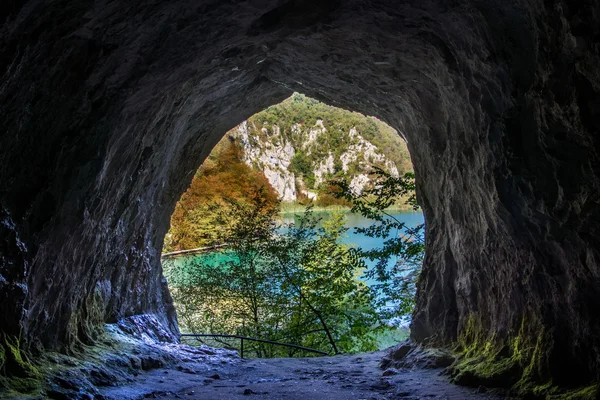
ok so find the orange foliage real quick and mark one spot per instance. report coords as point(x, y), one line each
point(327, 197)
point(223, 176)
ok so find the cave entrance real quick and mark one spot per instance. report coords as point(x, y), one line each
point(264, 243)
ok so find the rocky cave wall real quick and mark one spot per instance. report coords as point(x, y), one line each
point(108, 108)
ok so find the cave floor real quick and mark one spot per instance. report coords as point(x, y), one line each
point(333, 378)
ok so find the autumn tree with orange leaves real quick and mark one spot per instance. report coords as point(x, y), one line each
point(201, 217)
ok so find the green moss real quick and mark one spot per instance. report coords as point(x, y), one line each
point(18, 362)
point(587, 393)
point(21, 386)
point(515, 362)
point(17, 373)
point(2, 357)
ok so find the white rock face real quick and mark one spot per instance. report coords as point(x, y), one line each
point(313, 134)
point(274, 155)
point(358, 183)
point(273, 159)
point(369, 152)
point(283, 183)
point(325, 167)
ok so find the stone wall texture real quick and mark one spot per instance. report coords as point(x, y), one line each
point(109, 106)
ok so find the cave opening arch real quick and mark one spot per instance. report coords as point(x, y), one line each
point(133, 94)
point(283, 163)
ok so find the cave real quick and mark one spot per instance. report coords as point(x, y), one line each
point(109, 107)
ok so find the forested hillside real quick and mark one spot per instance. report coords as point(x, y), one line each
point(301, 143)
point(300, 113)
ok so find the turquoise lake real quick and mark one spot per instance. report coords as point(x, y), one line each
point(410, 218)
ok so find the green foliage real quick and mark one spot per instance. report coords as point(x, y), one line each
point(203, 211)
point(234, 295)
point(301, 164)
point(299, 287)
point(302, 286)
point(323, 275)
point(396, 286)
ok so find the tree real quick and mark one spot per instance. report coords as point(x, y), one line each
point(301, 164)
point(396, 286)
point(203, 211)
point(298, 286)
point(323, 276)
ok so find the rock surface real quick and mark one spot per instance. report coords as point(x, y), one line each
point(108, 108)
point(271, 151)
point(347, 377)
point(410, 355)
point(273, 159)
point(136, 358)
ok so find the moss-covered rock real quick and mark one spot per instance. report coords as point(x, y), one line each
point(519, 362)
point(591, 392)
point(17, 373)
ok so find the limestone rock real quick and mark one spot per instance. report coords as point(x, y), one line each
point(273, 159)
point(409, 355)
point(324, 168)
point(272, 153)
point(358, 183)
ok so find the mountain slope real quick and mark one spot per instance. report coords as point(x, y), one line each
point(300, 144)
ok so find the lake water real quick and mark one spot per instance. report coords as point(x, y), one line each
point(411, 219)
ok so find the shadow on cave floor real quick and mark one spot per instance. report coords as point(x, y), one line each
point(343, 377)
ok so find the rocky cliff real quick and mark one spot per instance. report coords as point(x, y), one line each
point(272, 157)
point(299, 158)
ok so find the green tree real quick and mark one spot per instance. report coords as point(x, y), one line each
point(323, 276)
point(236, 293)
point(301, 164)
point(299, 286)
point(396, 286)
point(203, 213)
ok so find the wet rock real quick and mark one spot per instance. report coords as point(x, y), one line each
point(71, 389)
point(381, 385)
point(398, 352)
point(104, 370)
point(136, 362)
point(102, 377)
point(151, 363)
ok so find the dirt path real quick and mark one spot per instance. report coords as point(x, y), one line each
point(331, 378)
